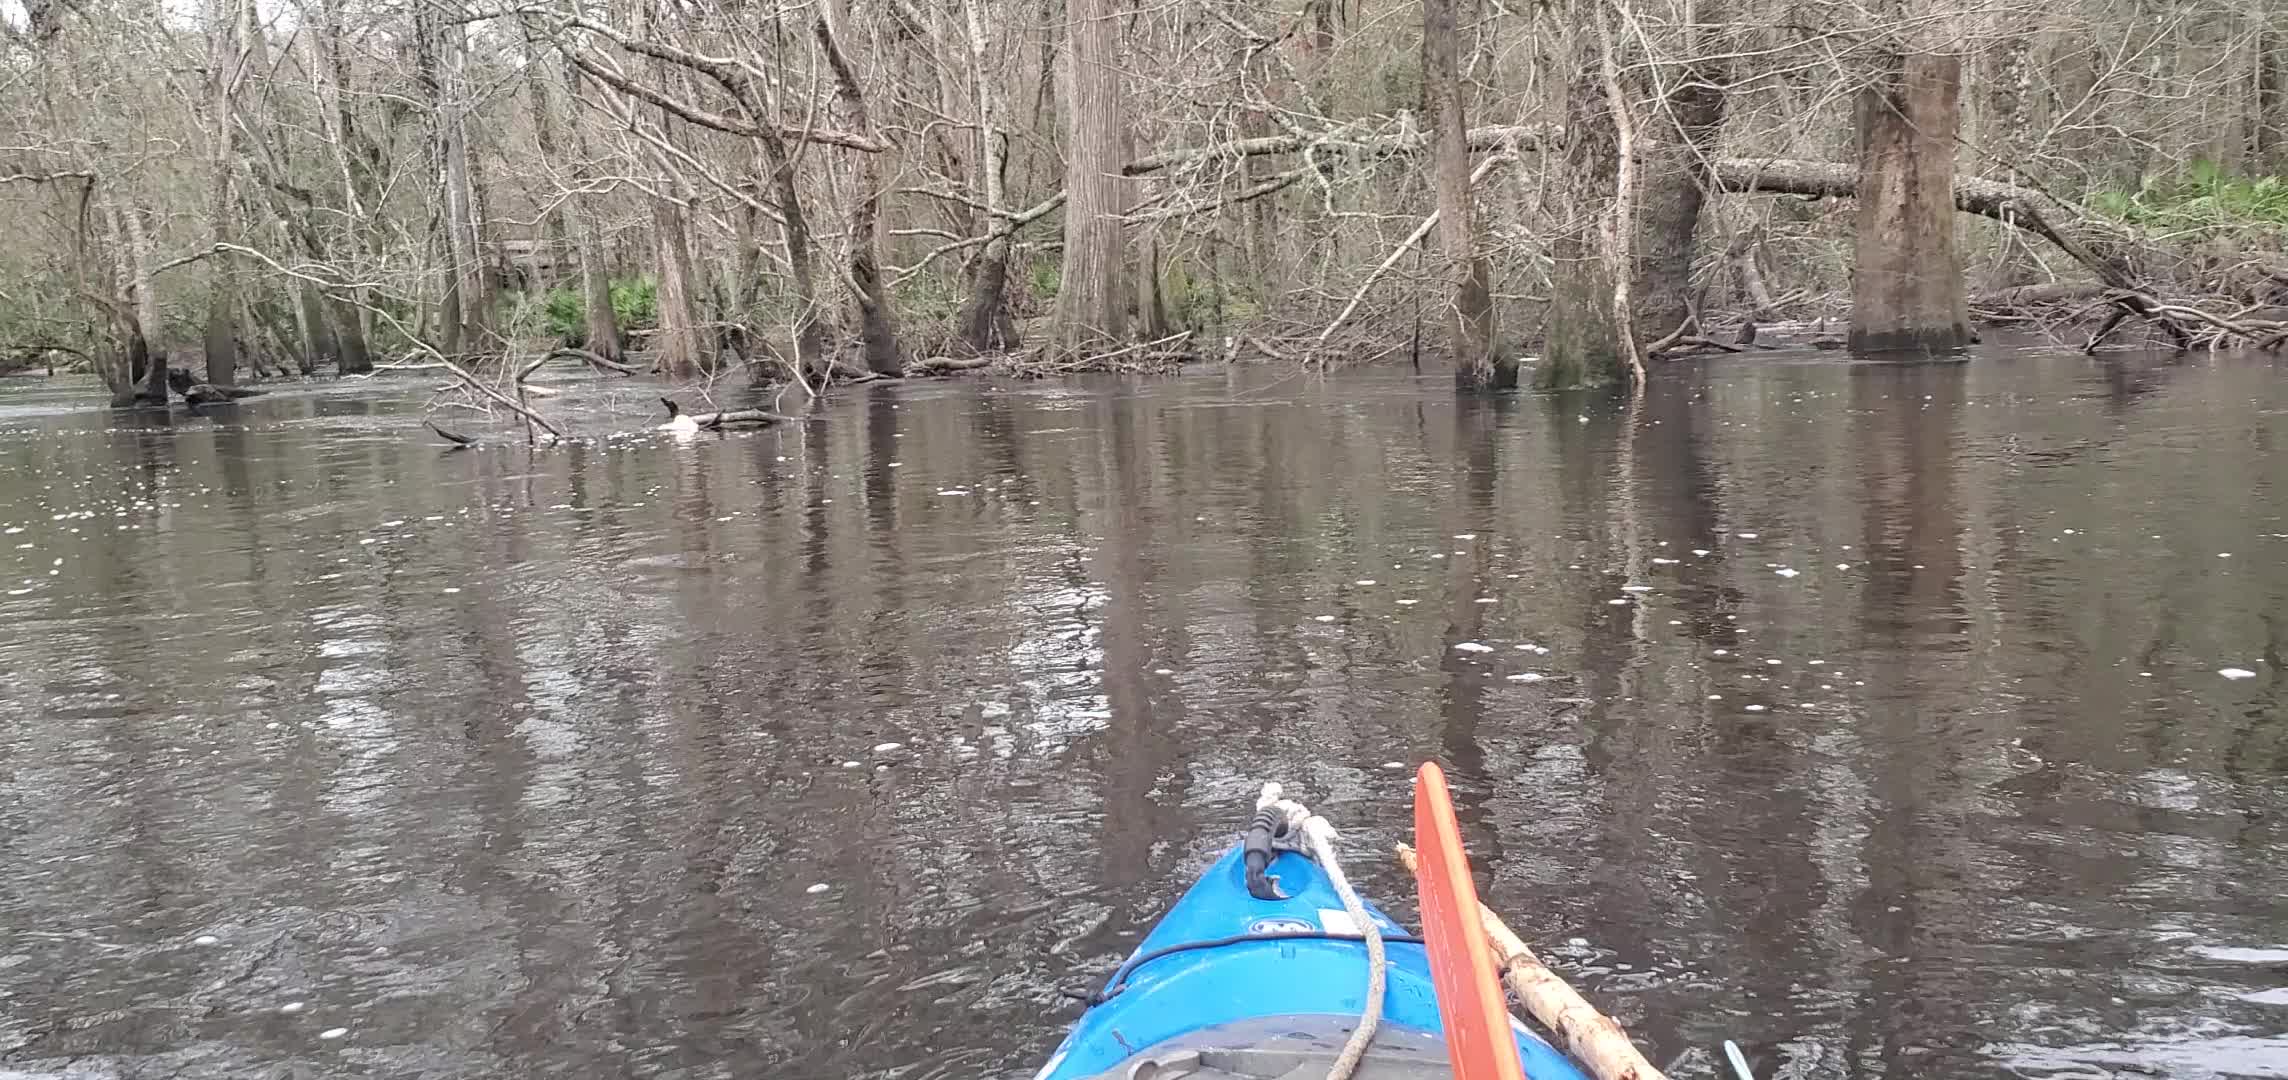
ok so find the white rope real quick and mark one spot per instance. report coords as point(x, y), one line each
point(1315, 836)
point(1321, 836)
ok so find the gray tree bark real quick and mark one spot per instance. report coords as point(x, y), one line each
point(1091, 307)
point(224, 70)
point(1906, 283)
point(2269, 132)
point(877, 321)
point(986, 324)
point(1582, 346)
point(1470, 313)
point(1677, 149)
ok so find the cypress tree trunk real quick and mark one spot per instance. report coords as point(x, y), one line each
point(1470, 315)
point(222, 286)
point(1906, 283)
point(2269, 132)
point(1679, 141)
point(877, 322)
point(1582, 347)
point(986, 325)
point(1091, 306)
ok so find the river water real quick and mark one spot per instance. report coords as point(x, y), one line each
point(1891, 720)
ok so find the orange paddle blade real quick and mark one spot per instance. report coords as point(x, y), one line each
point(1470, 1002)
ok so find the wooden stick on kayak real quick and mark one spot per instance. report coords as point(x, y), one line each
point(1592, 1038)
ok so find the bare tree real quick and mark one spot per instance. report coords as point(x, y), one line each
point(353, 181)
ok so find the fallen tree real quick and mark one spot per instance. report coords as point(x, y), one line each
point(2112, 252)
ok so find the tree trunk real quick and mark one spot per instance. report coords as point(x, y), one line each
point(438, 58)
point(877, 323)
point(349, 338)
point(1583, 346)
point(1470, 316)
point(1906, 282)
point(1091, 306)
point(2269, 132)
point(678, 349)
point(802, 265)
point(600, 322)
point(330, 73)
point(1679, 140)
point(986, 325)
point(317, 337)
point(222, 288)
point(135, 372)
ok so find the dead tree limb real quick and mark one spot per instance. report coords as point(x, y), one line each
point(1357, 135)
point(459, 441)
point(2103, 247)
point(715, 421)
point(946, 365)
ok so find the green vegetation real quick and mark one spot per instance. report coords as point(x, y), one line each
point(930, 298)
point(2205, 196)
point(561, 313)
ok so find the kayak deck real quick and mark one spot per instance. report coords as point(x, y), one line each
point(1230, 985)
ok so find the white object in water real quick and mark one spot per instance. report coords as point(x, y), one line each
point(1787, 571)
point(333, 1033)
point(2236, 673)
point(884, 748)
point(290, 1008)
point(818, 888)
point(1526, 676)
point(206, 939)
point(1473, 647)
